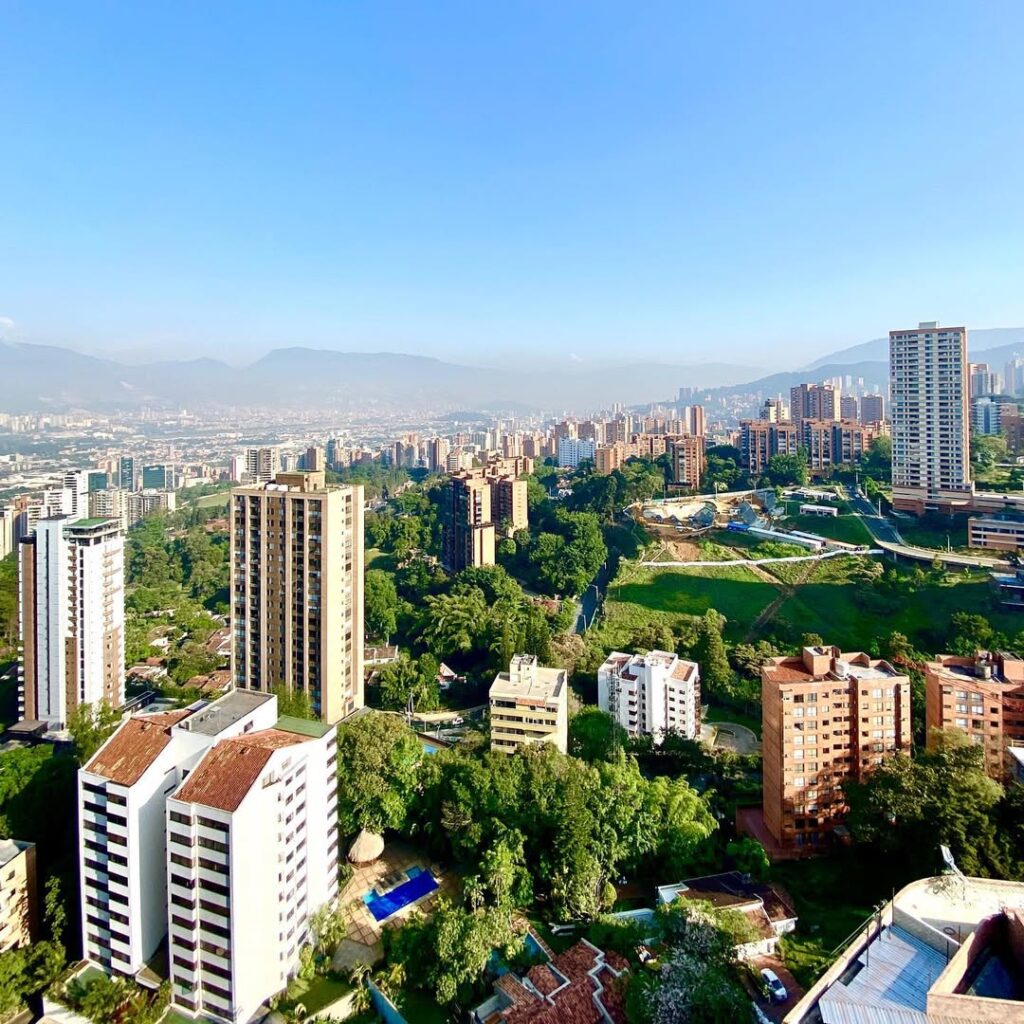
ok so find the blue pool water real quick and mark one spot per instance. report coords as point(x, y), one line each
point(429, 748)
point(420, 882)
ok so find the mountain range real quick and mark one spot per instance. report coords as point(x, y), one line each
point(41, 376)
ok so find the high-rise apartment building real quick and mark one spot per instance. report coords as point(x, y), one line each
point(981, 696)
point(929, 395)
point(872, 409)
point(695, 422)
point(314, 460)
point(686, 455)
point(987, 413)
point(261, 464)
point(831, 443)
point(813, 402)
point(297, 590)
point(252, 855)
point(467, 522)
point(848, 408)
point(71, 586)
point(773, 411)
point(508, 504)
point(7, 518)
point(608, 457)
point(826, 717)
point(1013, 375)
point(651, 694)
point(437, 454)
point(981, 380)
point(573, 450)
point(111, 503)
point(76, 484)
point(529, 704)
point(122, 794)
point(761, 439)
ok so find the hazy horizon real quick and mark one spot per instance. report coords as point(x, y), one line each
point(739, 184)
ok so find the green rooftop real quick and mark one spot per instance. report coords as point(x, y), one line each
point(88, 524)
point(303, 726)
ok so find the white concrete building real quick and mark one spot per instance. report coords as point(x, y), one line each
point(122, 792)
point(71, 588)
point(6, 531)
point(930, 417)
point(252, 855)
point(574, 450)
point(653, 693)
point(76, 483)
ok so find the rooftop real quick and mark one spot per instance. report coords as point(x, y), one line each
point(227, 772)
point(211, 719)
point(136, 744)
point(823, 664)
point(11, 848)
point(312, 728)
point(528, 682)
point(89, 524)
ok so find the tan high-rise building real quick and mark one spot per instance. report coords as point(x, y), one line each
point(981, 696)
point(529, 704)
point(467, 523)
point(19, 895)
point(71, 582)
point(930, 419)
point(508, 504)
point(297, 590)
point(831, 443)
point(687, 457)
point(761, 439)
point(826, 717)
point(609, 457)
point(813, 402)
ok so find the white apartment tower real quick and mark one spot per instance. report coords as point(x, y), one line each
point(71, 617)
point(651, 694)
point(261, 464)
point(252, 854)
point(297, 590)
point(122, 793)
point(929, 413)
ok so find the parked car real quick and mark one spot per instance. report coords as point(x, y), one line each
point(457, 720)
point(773, 987)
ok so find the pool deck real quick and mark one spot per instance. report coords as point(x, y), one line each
point(363, 940)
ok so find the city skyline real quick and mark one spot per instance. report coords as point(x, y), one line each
point(449, 184)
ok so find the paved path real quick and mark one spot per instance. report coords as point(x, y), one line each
point(887, 536)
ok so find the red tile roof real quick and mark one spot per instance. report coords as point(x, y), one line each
point(226, 774)
point(571, 1001)
point(124, 758)
point(683, 670)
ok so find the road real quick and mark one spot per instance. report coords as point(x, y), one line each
point(590, 600)
point(887, 536)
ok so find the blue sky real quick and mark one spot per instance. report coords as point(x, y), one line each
point(757, 183)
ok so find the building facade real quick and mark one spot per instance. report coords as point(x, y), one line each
point(529, 704)
point(71, 617)
point(686, 455)
point(122, 792)
point(826, 717)
point(651, 694)
point(574, 450)
point(297, 590)
point(981, 696)
point(872, 409)
point(929, 394)
point(257, 817)
point(761, 439)
point(467, 525)
point(19, 895)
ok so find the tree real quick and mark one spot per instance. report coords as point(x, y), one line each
point(378, 756)
point(711, 653)
point(749, 857)
point(294, 703)
point(380, 598)
point(944, 797)
point(454, 622)
point(406, 678)
point(90, 726)
point(594, 735)
point(785, 469)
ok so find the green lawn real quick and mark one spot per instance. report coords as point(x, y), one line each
point(714, 714)
point(214, 500)
point(419, 1008)
point(844, 527)
point(314, 995)
point(853, 617)
point(933, 531)
point(377, 559)
point(676, 595)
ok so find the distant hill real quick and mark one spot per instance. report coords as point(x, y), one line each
point(34, 376)
point(991, 344)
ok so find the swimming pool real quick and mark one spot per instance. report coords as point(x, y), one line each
point(419, 883)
